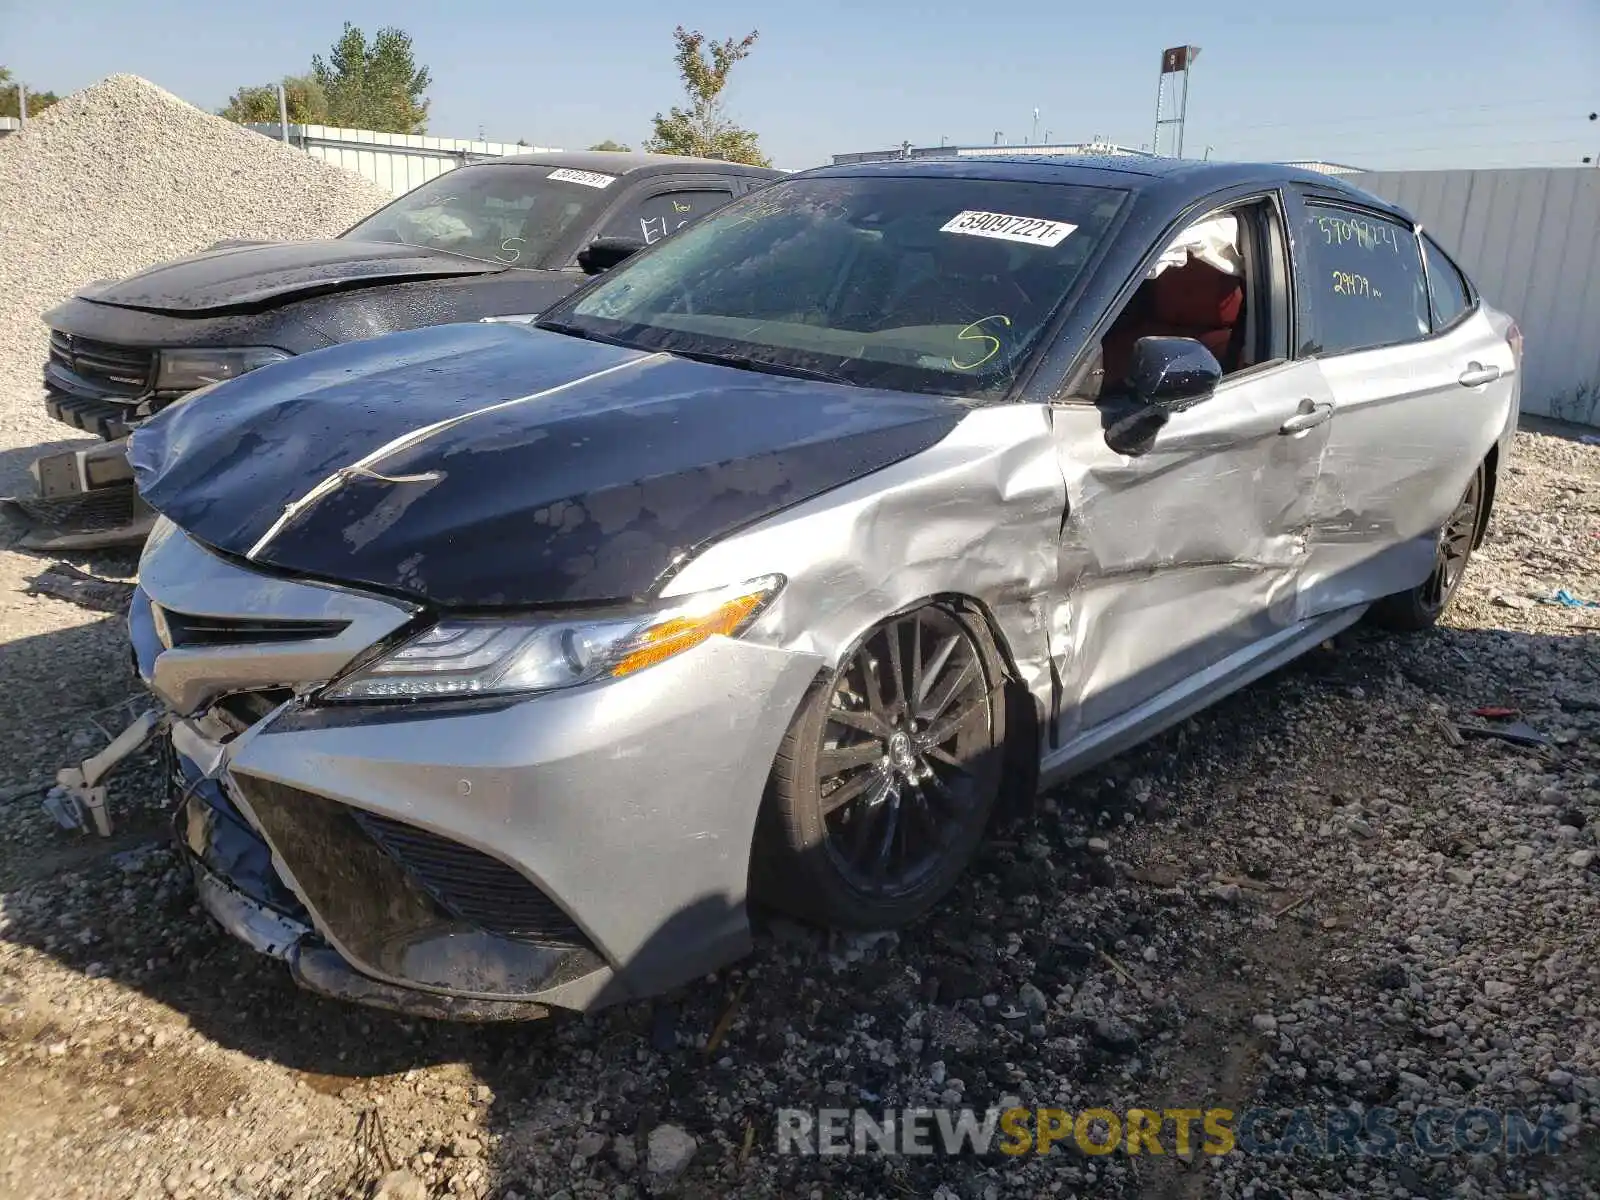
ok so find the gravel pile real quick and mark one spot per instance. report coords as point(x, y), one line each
point(1310, 896)
point(123, 175)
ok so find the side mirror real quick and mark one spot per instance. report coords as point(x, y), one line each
point(1172, 373)
point(606, 252)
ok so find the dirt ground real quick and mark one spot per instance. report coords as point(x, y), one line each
point(1316, 895)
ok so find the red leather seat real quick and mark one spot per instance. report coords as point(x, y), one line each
point(1194, 301)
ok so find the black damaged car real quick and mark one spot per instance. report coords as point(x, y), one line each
point(506, 237)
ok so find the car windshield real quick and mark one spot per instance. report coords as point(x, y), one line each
point(914, 284)
point(508, 213)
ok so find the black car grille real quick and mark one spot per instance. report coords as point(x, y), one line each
point(480, 890)
point(188, 629)
point(120, 370)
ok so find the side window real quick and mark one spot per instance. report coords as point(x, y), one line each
point(1204, 286)
point(1362, 274)
point(1446, 286)
point(654, 217)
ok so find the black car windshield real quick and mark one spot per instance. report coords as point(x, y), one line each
point(916, 284)
point(505, 213)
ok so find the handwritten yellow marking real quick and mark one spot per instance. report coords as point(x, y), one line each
point(973, 334)
point(1369, 235)
point(1349, 283)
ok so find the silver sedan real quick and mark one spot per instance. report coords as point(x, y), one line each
point(504, 664)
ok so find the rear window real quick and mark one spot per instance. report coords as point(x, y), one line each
point(507, 214)
point(917, 284)
point(1447, 287)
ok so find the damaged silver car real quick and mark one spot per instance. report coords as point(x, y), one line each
point(506, 663)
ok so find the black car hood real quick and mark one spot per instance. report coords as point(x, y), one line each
point(242, 277)
point(501, 466)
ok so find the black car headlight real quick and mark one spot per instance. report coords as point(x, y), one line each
point(181, 369)
point(476, 656)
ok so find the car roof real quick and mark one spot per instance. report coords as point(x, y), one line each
point(628, 162)
point(1176, 177)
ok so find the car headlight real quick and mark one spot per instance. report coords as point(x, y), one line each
point(181, 369)
point(475, 656)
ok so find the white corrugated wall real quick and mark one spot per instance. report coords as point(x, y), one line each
point(397, 161)
point(1530, 239)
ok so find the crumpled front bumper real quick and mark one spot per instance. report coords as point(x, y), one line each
point(477, 860)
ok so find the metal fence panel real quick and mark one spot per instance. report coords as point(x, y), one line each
point(1530, 239)
point(397, 161)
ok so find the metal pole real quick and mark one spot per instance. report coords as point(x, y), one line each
point(283, 115)
point(1183, 107)
point(1161, 87)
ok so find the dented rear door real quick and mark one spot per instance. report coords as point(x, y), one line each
point(1415, 410)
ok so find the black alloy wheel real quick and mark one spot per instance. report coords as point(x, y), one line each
point(1422, 606)
point(887, 779)
point(1455, 547)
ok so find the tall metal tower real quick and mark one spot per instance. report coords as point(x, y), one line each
point(1172, 99)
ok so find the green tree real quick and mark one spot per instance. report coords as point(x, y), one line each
point(11, 100)
point(375, 85)
point(304, 97)
point(704, 128)
point(608, 144)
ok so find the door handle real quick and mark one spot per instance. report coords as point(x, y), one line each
point(1476, 375)
point(1309, 417)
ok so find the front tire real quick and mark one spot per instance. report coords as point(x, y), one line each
point(885, 781)
point(1421, 607)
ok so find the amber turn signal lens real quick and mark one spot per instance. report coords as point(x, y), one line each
point(678, 634)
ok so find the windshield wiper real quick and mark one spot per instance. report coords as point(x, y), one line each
point(766, 365)
point(589, 335)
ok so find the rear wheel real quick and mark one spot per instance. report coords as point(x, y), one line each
point(884, 783)
point(1422, 606)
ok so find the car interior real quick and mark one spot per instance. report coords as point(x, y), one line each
point(1203, 287)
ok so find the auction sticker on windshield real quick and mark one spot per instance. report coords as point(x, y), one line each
point(592, 179)
point(1033, 230)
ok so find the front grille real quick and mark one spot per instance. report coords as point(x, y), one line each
point(472, 886)
point(120, 370)
point(179, 630)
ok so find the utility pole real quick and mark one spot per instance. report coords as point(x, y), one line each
point(283, 115)
point(22, 103)
point(997, 136)
point(1035, 126)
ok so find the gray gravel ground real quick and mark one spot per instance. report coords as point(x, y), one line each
point(1308, 896)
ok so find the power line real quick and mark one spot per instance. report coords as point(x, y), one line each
point(1453, 125)
point(1452, 147)
point(1553, 105)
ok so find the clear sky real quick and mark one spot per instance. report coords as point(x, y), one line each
point(1378, 83)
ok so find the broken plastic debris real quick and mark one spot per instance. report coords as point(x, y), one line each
point(1496, 712)
point(81, 790)
point(1567, 600)
point(1518, 733)
point(64, 810)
